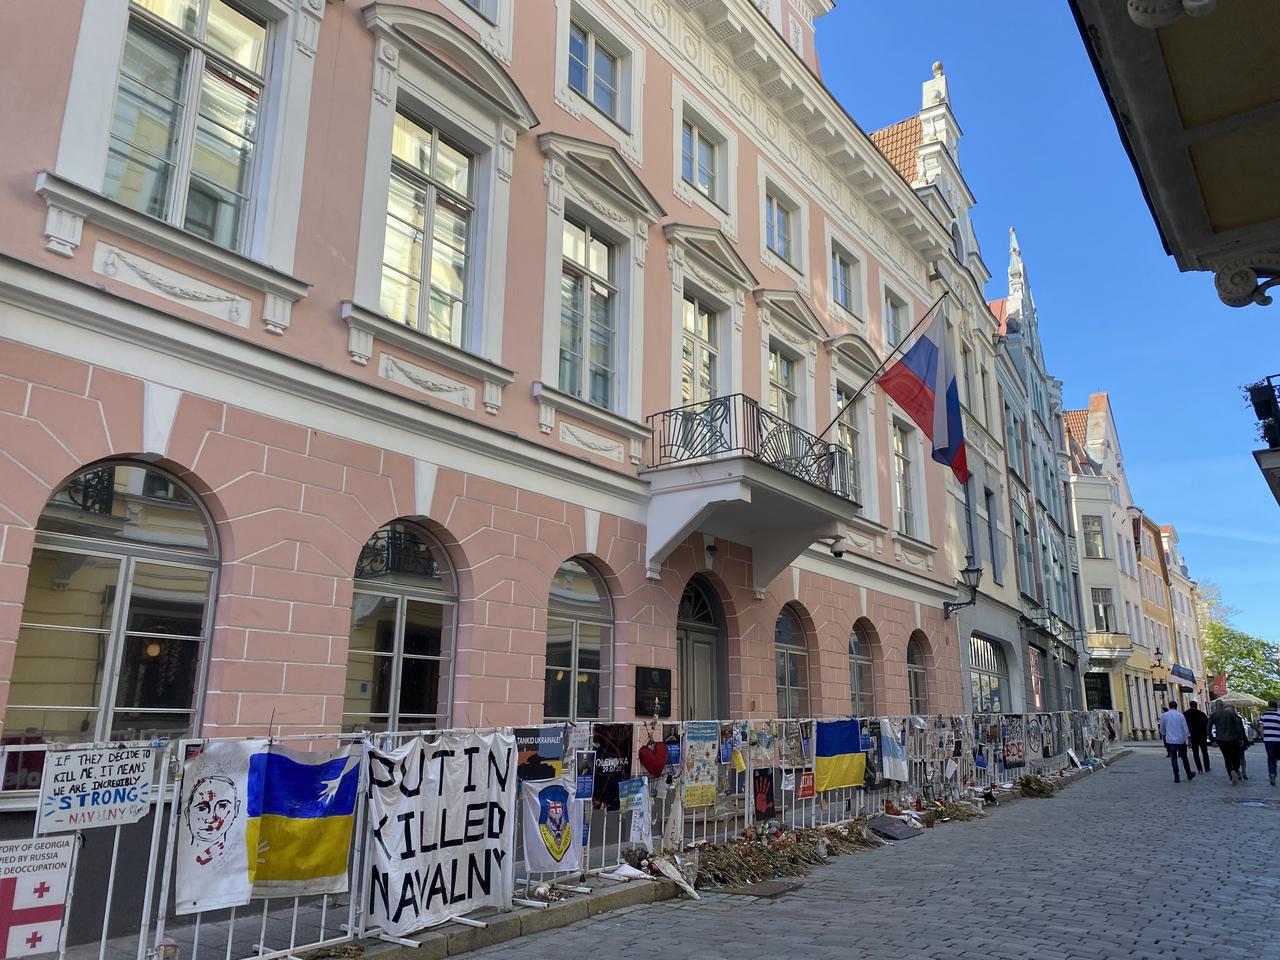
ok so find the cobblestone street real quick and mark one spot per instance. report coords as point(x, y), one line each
point(1082, 875)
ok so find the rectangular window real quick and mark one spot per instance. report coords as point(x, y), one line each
point(587, 316)
point(699, 356)
point(849, 436)
point(1094, 544)
point(1022, 537)
point(698, 160)
point(778, 227)
point(986, 398)
point(989, 501)
point(1104, 614)
point(902, 475)
point(429, 210)
point(185, 126)
point(842, 274)
point(966, 365)
point(593, 70)
point(782, 385)
point(895, 312)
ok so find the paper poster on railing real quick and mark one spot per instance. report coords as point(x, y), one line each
point(212, 851)
point(552, 838)
point(1013, 743)
point(702, 751)
point(893, 751)
point(261, 821)
point(100, 787)
point(442, 821)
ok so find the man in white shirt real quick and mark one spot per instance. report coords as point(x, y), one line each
point(1174, 733)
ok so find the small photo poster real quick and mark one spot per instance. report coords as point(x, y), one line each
point(630, 793)
point(806, 789)
point(585, 767)
point(762, 787)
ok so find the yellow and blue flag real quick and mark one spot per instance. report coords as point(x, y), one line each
point(838, 758)
point(300, 815)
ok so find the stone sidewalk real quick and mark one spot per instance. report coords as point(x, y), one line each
point(1124, 864)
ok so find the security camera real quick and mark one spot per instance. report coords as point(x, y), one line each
point(837, 549)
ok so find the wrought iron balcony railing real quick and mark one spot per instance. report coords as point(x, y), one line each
point(738, 425)
point(94, 490)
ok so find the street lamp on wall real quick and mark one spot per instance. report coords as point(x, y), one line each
point(972, 576)
point(1159, 656)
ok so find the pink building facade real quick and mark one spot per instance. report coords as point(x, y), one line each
point(453, 362)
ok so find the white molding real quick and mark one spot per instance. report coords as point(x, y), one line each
point(90, 103)
point(584, 439)
point(75, 204)
point(494, 24)
point(155, 278)
point(159, 409)
point(429, 382)
point(365, 326)
point(83, 322)
point(551, 401)
point(628, 129)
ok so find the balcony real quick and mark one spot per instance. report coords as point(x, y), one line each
point(1264, 396)
point(1109, 649)
point(730, 469)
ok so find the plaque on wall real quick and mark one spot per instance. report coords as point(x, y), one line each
point(653, 692)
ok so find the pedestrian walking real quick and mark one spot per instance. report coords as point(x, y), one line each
point(1270, 721)
point(1198, 739)
point(1226, 728)
point(1174, 733)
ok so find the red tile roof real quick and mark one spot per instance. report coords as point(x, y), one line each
point(899, 143)
point(1077, 423)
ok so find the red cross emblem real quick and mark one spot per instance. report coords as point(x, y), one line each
point(11, 916)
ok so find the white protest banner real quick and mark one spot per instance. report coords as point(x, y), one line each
point(551, 841)
point(442, 816)
point(35, 878)
point(211, 849)
point(94, 788)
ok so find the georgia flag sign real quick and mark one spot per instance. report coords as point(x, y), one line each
point(923, 383)
point(33, 895)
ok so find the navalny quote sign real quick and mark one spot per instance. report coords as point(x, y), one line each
point(94, 788)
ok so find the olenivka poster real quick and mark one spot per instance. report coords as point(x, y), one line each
point(442, 816)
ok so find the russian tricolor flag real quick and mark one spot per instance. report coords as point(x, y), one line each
point(923, 383)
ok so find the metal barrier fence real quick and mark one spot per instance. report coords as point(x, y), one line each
point(124, 901)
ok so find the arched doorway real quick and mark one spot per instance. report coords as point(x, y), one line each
point(700, 653)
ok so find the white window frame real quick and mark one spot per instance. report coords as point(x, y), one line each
point(702, 346)
point(781, 328)
point(850, 373)
point(892, 296)
point(687, 107)
point(1102, 536)
point(783, 353)
point(790, 197)
point(588, 277)
point(492, 20)
point(910, 512)
point(275, 194)
point(626, 128)
point(835, 243)
point(580, 195)
point(434, 93)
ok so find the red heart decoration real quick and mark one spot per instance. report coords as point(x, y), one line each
point(653, 757)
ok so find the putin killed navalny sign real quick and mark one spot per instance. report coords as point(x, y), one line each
point(100, 787)
point(442, 818)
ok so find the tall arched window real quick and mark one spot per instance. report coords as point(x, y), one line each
point(917, 677)
point(861, 667)
point(116, 619)
point(403, 611)
point(579, 645)
point(792, 658)
point(988, 676)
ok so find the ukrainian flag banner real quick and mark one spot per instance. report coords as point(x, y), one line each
point(838, 757)
point(300, 813)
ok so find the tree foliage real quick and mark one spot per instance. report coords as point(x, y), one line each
point(1252, 665)
point(1210, 607)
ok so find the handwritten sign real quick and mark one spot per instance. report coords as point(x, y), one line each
point(101, 787)
point(35, 876)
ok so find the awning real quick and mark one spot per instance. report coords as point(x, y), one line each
point(1183, 676)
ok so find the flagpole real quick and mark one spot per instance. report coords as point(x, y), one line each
point(884, 363)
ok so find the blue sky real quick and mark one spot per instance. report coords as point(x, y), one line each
point(1041, 152)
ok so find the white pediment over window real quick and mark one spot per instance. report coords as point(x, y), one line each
point(711, 249)
point(789, 309)
point(855, 350)
point(461, 59)
point(602, 169)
